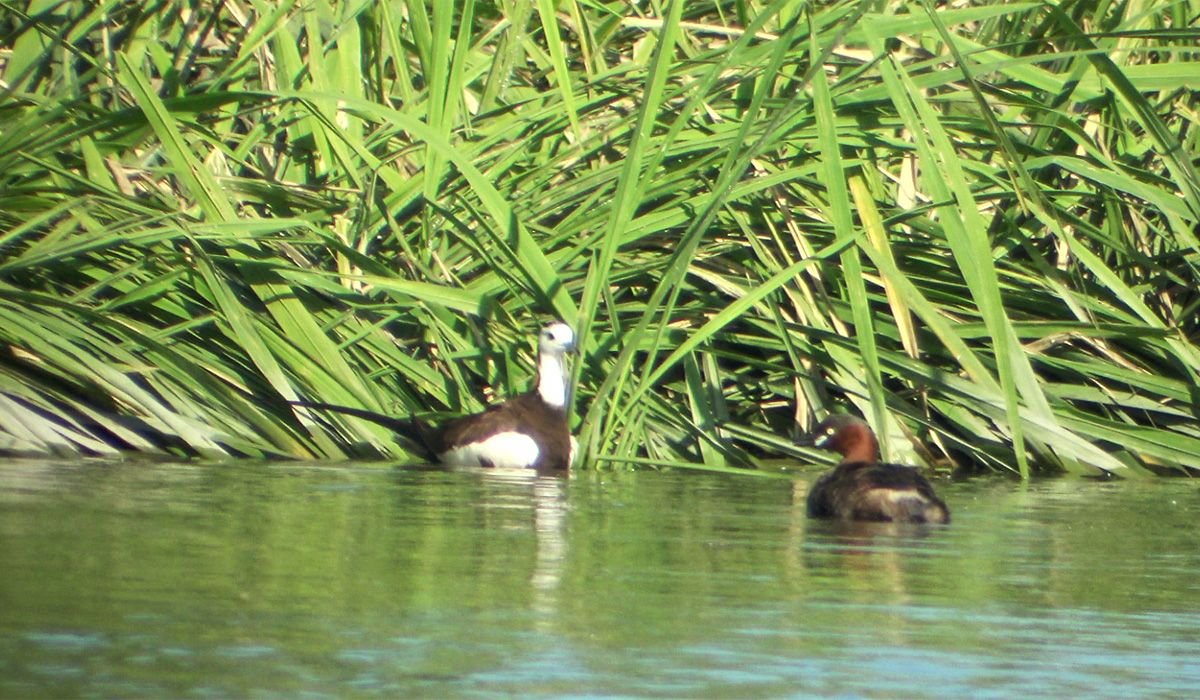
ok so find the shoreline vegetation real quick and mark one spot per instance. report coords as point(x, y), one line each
point(974, 224)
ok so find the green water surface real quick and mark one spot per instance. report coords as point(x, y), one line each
point(284, 581)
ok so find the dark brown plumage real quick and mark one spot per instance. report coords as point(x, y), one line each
point(517, 415)
point(529, 430)
point(862, 488)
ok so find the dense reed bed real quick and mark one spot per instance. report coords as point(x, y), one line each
point(975, 224)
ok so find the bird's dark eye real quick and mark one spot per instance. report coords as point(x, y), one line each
point(824, 437)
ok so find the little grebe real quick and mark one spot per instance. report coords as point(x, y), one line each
point(860, 487)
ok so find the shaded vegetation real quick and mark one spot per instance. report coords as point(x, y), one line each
point(978, 225)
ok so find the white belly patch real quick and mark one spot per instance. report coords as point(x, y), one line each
point(503, 450)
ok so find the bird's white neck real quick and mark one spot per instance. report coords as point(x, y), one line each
point(552, 379)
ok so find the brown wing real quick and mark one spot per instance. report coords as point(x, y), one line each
point(880, 492)
point(526, 414)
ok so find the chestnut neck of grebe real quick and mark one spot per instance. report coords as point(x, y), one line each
point(856, 443)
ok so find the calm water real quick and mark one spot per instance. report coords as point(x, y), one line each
point(263, 581)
